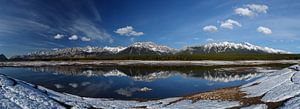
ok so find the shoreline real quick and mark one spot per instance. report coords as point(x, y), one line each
point(143, 62)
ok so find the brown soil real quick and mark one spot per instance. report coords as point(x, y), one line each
point(229, 94)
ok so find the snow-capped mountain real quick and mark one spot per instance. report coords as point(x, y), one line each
point(140, 48)
point(115, 50)
point(3, 57)
point(228, 47)
point(78, 52)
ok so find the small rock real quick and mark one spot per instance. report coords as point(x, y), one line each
point(295, 67)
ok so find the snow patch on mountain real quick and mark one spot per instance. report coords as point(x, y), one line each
point(115, 49)
point(224, 46)
point(152, 46)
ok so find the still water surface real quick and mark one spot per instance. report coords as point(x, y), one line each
point(135, 82)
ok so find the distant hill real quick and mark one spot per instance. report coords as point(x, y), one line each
point(3, 57)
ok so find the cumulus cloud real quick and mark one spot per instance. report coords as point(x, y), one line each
point(209, 40)
point(258, 8)
point(264, 30)
point(73, 37)
point(59, 36)
point(128, 31)
point(210, 28)
point(251, 10)
point(243, 12)
point(229, 24)
point(85, 39)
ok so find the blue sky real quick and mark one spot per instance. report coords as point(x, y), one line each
point(30, 25)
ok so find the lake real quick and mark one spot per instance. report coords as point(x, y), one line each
point(137, 82)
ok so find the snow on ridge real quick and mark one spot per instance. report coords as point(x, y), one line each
point(152, 46)
point(222, 46)
point(114, 49)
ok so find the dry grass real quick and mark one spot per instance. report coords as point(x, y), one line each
point(229, 94)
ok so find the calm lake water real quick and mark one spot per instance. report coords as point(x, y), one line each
point(133, 82)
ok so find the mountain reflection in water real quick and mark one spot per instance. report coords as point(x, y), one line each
point(136, 82)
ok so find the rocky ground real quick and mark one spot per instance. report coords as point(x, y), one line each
point(280, 89)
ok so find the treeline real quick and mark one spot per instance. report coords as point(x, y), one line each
point(185, 57)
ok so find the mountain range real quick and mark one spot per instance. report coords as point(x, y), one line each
point(228, 47)
point(150, 48)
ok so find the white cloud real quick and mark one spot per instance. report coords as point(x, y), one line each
point(209, 40)
point(59, 36)
point(73, 37)
point(264, 30)
point(251, 10)
point(85, 39)
point(258, 8)
point(128, 31)
point(210, 28)
point(229, 24)
point(244, 12)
